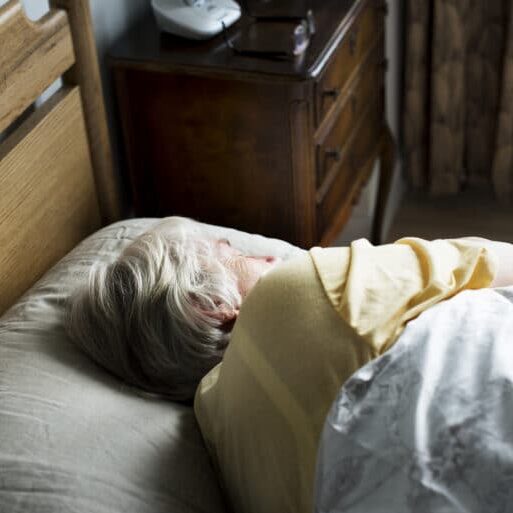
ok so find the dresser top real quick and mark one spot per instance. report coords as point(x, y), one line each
point(144, 45)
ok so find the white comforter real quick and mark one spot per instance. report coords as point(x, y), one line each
point(428, 427)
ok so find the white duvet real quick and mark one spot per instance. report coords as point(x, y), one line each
point(428, 427)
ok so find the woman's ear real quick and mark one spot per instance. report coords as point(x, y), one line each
point(226, 317)
point(224, 314)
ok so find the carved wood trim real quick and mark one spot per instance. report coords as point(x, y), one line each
point(33, 55)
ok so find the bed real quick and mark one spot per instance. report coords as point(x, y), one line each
point(74, 438)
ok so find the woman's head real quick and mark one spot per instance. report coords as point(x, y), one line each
point(247, 269)
point(160, 316)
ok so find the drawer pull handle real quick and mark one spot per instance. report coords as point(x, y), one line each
point(331, 93)
point(334, 153)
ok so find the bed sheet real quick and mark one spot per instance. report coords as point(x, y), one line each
point(428, 427)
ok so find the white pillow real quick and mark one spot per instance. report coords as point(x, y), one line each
point(74, 438)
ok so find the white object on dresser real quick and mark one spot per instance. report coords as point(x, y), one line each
point(195, 19)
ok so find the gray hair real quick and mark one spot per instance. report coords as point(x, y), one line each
point(149, 316)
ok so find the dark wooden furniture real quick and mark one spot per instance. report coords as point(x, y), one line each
point(279, 147)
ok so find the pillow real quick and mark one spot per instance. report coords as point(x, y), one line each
point(73, 437)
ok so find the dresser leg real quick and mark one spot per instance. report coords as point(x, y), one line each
point(387, 162)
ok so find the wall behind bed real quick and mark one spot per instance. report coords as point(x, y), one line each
point(110, 19)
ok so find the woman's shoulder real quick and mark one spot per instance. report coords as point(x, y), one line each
point(289, 277)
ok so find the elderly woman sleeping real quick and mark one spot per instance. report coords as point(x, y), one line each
point(162, 317)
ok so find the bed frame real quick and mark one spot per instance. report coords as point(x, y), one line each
point(57, 181)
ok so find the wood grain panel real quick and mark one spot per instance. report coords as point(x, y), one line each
point(48, 201)
point(33, 55)
point(303, 178)
point(209, 148)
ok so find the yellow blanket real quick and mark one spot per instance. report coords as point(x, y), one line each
point(302, 332)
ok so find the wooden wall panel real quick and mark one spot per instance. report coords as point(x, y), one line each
point(48, 202)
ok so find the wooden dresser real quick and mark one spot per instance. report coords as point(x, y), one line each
point(280, 147)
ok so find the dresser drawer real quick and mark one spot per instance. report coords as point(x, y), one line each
point(337, 195)
point(362, 92)
point(360, 38)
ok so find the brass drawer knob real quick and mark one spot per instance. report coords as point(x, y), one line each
point(331, 93)
point(334, 153)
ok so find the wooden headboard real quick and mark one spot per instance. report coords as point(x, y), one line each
point(57, 182)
